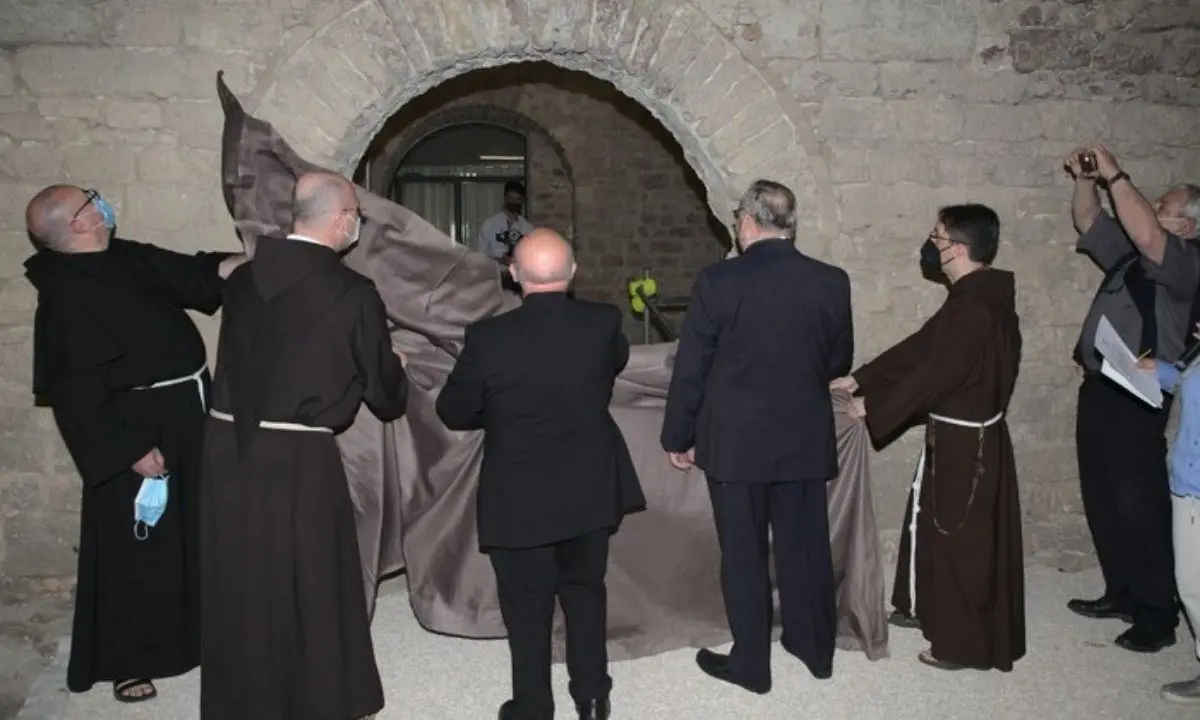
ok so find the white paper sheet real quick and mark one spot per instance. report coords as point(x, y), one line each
point(1120, 366)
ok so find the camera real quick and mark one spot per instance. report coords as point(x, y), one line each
point(1087, 162)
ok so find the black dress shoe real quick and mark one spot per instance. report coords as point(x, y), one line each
point(820, 673)
point(1100, 608)
point(1140, 638)
point(596, 709)
point(717, 665)
point(901, 619)
point(508, 711)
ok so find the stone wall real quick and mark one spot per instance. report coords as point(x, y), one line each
point(876, 112)
point(630, 201)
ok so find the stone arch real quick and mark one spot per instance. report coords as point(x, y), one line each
point(483, 113)
point(336, 88)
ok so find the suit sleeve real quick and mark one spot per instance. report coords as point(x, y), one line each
point(621, 343)
point(385, 384)
point(940, 372)
point(460, 403)
point(70, 353)
point(843, 344)
point(193, 280)
point(693, 361)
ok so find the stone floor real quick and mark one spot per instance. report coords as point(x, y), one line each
point(30, 629)
point(1072, 671)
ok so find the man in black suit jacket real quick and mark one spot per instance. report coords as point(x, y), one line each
point(557, 476)
point(749, 404)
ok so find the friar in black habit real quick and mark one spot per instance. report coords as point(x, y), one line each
point(124, 369)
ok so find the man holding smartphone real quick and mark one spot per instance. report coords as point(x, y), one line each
point(1151, 270)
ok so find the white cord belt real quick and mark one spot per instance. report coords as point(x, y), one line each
point(918, 478)
point(272, 425)
point(196, 377)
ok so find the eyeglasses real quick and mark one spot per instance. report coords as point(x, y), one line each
point(91, 196)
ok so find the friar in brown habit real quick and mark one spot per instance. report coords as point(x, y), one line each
point(960, 577)
point(304, 340)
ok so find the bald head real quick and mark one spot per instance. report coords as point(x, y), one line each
point(325, 208)
point(543, 262)
point(61, 218)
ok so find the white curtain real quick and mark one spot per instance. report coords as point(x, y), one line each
point(434, 202)
point(480, 200)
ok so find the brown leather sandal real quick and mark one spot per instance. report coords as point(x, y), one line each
point(121, 691)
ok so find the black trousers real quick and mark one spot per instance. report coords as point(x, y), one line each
point(1123, 478)
point(797, 516)
point(528, 581)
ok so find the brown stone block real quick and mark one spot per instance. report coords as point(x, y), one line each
point(182, 165)
point(650, 20)
point(99, 165)
point(758, 150)
point(8, 75)
point(403, 23)
point(27, 436)
point(14, 196)
point(428, 19)
point(143, 24)
point(46, 542)
point(18, 300)
point(756, 108)
point(32, 161)
point(16, 364)
point(307, 134)
point(687, 36)
point(364, 43)
point(21, 127)
point(230, 27)
point(817, 80)
point(129, 115)
point(696, 77)
point(855, 118)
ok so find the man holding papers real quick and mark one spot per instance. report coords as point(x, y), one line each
point(1151, 270)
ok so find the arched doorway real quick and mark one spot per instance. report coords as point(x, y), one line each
point(454, 177)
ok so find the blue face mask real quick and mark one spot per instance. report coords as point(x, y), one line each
point(106, 211)
point(149, 505)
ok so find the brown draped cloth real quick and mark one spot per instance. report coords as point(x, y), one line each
point(413, 481)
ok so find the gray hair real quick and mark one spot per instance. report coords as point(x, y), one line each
point(772, 206)
point(1191, 206)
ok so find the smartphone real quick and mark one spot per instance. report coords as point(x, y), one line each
point(1087, 162)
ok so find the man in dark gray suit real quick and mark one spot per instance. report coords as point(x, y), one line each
point(749, 403)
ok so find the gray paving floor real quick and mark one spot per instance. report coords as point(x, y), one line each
point(1072, 671)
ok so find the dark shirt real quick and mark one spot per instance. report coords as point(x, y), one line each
point(1175, 280)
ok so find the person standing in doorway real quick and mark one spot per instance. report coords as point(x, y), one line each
point(749, 403)
point(557, 477)
point(123, 368)
point(1151, 269)
point(500, 233)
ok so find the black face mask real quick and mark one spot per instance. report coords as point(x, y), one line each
point(931, 257)
point(514, 208)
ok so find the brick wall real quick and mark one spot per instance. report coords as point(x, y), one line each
point(595, 156)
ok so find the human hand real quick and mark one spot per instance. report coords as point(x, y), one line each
point(1147, 365)
point(229, 264)
point(1075, 168)
point(857, 408)
point(1106, 164)
point(151, 465)
point(847, 383)
point(684, 460)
